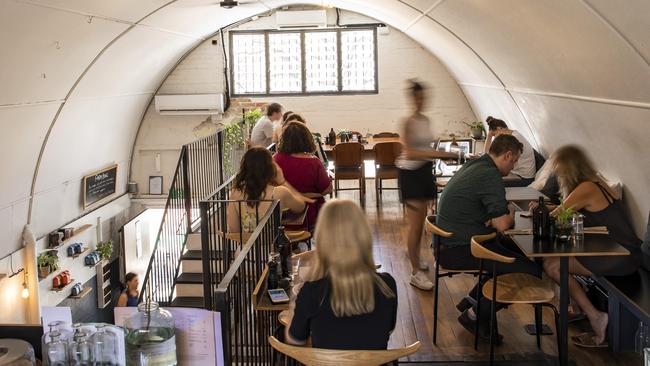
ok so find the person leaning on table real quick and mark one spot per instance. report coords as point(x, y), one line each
point(347, 304)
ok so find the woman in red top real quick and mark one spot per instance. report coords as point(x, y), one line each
point(303, 170)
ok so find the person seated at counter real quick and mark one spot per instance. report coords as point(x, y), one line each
point(474, 203)
point(262, 133)
point(347, 304)
point(524, 171)
point(301, 168)
point(130, 293)
point(259, 178)
point(585, 190)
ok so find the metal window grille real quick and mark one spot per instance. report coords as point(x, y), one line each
point(303, 62)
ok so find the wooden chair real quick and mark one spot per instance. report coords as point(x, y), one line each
point(385, 155)
point(437, 232)
point(383, 135)
point(511, 288)
point(330, 357)
point(348, 165)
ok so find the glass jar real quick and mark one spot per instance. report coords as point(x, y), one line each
point(55, 345)
point(81, 349)
point(150, 337)
point(104, 346)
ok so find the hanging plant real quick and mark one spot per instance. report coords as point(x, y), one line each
point(236, 132)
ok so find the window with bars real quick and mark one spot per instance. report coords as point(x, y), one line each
point(329, 61)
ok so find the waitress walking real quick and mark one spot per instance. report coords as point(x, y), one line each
point(416, 180)
point(129, 296)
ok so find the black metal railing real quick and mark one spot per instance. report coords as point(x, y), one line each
point(199, 172)
point(244, 329)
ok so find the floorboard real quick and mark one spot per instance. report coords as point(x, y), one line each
point(455, 344)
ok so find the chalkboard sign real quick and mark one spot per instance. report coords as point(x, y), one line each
point(99, 185)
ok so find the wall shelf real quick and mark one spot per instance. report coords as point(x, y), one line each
point(59, 289)
point(78, 254)
point(77, 232)
point(83, 293)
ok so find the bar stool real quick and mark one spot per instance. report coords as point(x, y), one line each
point(514, 288)
point(437, 233)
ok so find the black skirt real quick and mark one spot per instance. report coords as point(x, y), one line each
point(417, 184)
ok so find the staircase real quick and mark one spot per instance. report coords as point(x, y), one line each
point(189, 282)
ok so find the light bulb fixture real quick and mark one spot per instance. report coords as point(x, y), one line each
point(25, 292)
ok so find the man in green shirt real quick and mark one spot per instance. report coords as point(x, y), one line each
point(474, 203)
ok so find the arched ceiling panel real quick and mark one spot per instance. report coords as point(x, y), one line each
point(134, 64)
point(46, 50)
point(630, 19)
point(551, 46)
point(125, 10)
point(23, 131)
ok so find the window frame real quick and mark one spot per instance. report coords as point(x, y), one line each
point(304, 92)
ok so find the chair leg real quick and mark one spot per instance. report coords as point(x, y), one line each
point(336, 187)
point(493, 313)
point(538, 324)
point(478, 304)
point(435, 305)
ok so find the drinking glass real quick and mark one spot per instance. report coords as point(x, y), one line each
point(295, 266)
point(81, 353)
point(55, 346)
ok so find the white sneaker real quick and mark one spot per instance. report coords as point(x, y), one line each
point(424, 266)
point(421, 281)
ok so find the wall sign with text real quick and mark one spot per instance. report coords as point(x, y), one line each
point(99, 185)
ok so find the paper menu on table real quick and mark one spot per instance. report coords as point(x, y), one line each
point(198, 334)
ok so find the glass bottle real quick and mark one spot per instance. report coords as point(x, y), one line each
point(273, 278)
point(81, 349)
point(55, 345)
point(541, 220)
point(150, 337)
point(105, 346)
point(283, 246)
point(332, 137)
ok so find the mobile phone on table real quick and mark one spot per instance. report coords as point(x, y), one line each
point(278, 296)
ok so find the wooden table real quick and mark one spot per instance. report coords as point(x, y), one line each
point(368, 152)
point(593, 245)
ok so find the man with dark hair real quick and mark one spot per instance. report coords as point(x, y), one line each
point(262, 134)
point(524, 171)
point(474, 203)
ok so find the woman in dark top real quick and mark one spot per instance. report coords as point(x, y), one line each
point(347, 305)
point(585, 190)
point(129, 297)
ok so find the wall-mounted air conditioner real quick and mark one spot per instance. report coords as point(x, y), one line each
point(187, 104)
point(301, 19)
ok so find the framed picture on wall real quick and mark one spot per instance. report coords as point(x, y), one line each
point(155, 184)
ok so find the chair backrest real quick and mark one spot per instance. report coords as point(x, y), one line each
point(329, 357)
point(348, 155)
point(481, 252)
point(431, 227)
point(387, 152)
point(382, 135)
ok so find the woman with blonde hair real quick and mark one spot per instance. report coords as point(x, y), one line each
point(585, 190)
point(347, 304)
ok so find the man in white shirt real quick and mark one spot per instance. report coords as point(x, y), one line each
point(524, 171)
point(262, 134)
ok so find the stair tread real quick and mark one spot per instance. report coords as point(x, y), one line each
point(188, 302)
point(188, 277)
point(198, 255)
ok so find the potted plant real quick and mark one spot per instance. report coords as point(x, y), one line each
point(476, 129)
point(563, 227)
point(105, 249)
point(47, 263)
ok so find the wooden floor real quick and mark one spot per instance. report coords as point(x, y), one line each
point(415, 311)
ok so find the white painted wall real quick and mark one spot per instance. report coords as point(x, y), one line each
point(399, 58)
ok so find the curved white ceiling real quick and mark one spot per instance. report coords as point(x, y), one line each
point(77, 76)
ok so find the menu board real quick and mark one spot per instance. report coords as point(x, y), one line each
point(99, 185)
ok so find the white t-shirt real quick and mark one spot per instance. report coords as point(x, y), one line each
point(525, 167)
point(262, 134)
point(420, 138)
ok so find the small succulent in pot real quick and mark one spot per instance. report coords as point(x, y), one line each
point(477, 129)
point(563, 227)
point(47, 262)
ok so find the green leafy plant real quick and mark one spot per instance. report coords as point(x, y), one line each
point(477, 129)
point(236, 133)
point(563, 215)
point(105, 249)
point(47, 263)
